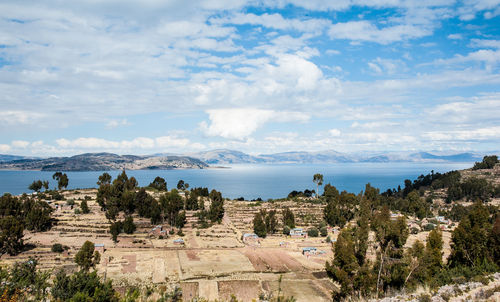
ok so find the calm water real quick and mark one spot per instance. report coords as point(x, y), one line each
point(251, 181)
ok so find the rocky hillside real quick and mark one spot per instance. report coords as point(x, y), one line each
point(103, 162)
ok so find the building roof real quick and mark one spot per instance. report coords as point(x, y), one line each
point(250, 235)
point(99, 245)
point(180, 240)
point(305, 249)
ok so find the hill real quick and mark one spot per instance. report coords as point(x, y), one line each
point(226, 156)
point(104, 162)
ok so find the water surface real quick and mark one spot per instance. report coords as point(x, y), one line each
point(251, 181)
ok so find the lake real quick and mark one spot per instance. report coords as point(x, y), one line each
point(251, 181)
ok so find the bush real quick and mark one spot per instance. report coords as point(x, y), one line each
point(286, 230)
point(323, 231)
point(129, 225)
point(84, 207)
point(328, 239)
point(180, 233)
point(57, 248)
point(70, 202)
point(429, 227)
point(78, 212)
point(313, 232)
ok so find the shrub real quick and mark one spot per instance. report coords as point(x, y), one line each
point(129, 225)
point(286, 230)
point(84, 207)
point(323, 231)
point(429, 227)
point(70, 202)
point(57, 248)
point(313, 232)
point(78, 212)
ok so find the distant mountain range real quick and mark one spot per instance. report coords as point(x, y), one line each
point(201, 160)
point(225, 156)
point(103, 161)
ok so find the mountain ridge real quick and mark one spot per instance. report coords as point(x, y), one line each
point(200, 160)
point(104, 162)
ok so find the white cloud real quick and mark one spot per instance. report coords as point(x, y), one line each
point(485, 43)
point(240, 123)
point(465, 135)
point(4, 148)
point(16, 117)
point(367, 31)
point(116, 123)
point(20, 144)
point(334, 132)
point(455, 37)
point(275, 21)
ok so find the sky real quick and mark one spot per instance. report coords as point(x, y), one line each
point(151, 76)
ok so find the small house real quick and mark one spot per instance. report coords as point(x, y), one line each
point(250, 237)
point(179, 241)
point(395, 216)
point(308, 251)
point(442, 219)
point(99, 247)
point(158, 230)
point(297, 232)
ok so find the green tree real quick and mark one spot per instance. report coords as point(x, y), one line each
point(433, 254)
point(25, 280)
point(82, 286)
point(45, 184)
point(181, 185)
point(391, 236)
point(340, 208)
point(192, 202)
point(104, 179)
point(271, 222)
point(363, 222)
point(37, 215)
point(259, 226)
point(288, 218)
point(469, 238)
point(318, 180)
point(180, 221)
point(494, 241)
point(84, 207)
point(87, 257)
point(216, 212)
point(344, 266)
point(488, 162)
point(159, 184)
point(11, 235)
point(129, 226)
point(62, 180)
point(36, 186)
point(115, 229)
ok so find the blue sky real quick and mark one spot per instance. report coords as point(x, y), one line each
point(256, 76)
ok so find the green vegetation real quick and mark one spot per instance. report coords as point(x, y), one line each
point(18, 214)
point(288, 218)
point(318, 180)
point(84, 207)
point(488, 163)
point(62, 180)
point(159, 184)
point(265, 222)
